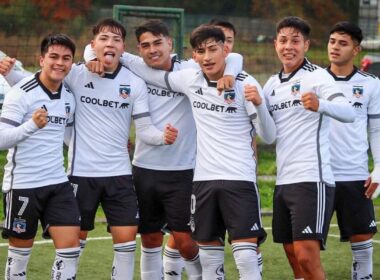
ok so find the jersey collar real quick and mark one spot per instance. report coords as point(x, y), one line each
point(282, 80)
point(347, 78)
point(114, 74)
point(210, 83)
point(46, 90)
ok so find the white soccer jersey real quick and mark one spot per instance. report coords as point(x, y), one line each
point(105, 106)
point(349, 141)
point(37, 160)
point(223, 123)
point(167, 107)
point(302, 148)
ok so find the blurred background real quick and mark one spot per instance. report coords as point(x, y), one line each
point(23, 23)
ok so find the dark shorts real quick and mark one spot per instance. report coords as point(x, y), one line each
point(116, 195)
point(302, 211)
point(355, 212)
point(221, 205)
point(164, 199)
point(53, 205)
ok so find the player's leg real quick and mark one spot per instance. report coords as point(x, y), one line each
point(172, 260)
point(240, 203)
point(152, 219)
point(356, 220)
point(119, 203)
point(311, 207)
point(176, 188)
point(61, 222)
point(293, 262)
point(208, 228)
point(20, 227)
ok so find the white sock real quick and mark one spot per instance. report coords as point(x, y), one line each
point(246, 260)
point(260, 262)
point(194, 268)
point(151, 263)
point(362, 260)
point(123, 261)
point(65, 263)
point(173, 264)
point(17, 262)
point(82, 245)
point(212, 261)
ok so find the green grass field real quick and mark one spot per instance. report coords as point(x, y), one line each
point(97, 258)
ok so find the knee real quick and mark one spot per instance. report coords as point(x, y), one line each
point(152, 240)
point(187, 248)
point(306, 261)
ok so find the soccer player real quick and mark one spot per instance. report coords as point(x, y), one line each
point(349, 145)
point(99, 166)
point(228, 30)
point(302, 98)
point(225, 195)
point(35, 114)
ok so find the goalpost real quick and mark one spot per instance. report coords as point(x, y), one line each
point(131, 16)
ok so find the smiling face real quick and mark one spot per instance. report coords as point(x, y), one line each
point(108, 47)
point(342, 49)
point(55, 65)
point(291, 47)
point(210, 55)
point(156, 50)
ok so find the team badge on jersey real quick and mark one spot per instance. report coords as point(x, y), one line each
point(124, 91)
point(67, 109)
point(19, 225)
point(296, 88)
point(229, 96)
point(357, 91)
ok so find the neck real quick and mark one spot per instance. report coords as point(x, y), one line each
point(342, 70)
point(51, 85)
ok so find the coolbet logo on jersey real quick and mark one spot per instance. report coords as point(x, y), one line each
point(296, 88)
point(124, 91)
point(357, 91)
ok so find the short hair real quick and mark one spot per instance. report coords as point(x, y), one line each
point(203, 32)
point(115, 27)
point(348, 28)
point(57, 39)
point(155, 26)
point(223, 23)
point(294, 22)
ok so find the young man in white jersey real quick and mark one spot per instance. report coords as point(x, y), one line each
point(35, 114)
point(224, 180)
point(349, 146)
point(99, 166)
point(228, 30)
point(301, 98)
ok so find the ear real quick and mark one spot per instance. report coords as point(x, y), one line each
point(357, 50)
point(41, 61)
point(225, 50)
point(194, 56)
point(307, 45)
point(92, 43)
point(170, 43)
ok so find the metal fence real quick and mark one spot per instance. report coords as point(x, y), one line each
point(22, 27)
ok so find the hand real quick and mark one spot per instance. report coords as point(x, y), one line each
point(251, 94)
point(95, 66)
point(170, 134)
point(372, 184)
point(310, 101)
point(40, 117)
point(6, 65)
point(226, 82)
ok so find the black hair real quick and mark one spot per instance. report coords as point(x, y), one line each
point(294, 22)
point(155, 26)
point(204, 32)
point(109, 23)
point(223, 23)
point(57, 39)
point(345, 27)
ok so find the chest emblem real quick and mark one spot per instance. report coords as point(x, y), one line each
point(124, 91)
point(357, 91)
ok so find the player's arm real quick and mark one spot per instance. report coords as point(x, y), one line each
point(260, 117)
point(7, 70)
point(12, 130)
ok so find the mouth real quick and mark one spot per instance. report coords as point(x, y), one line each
point(208, 66)
point(334, 54)
point(109, 56)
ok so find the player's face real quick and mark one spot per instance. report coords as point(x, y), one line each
point(108, 47)
point(56, 64)
point(230, 39)
point(210, 56)
point(342, 49)
point(155, 50)
point(291, 47)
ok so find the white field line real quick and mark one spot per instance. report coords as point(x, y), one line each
point(41, 242)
